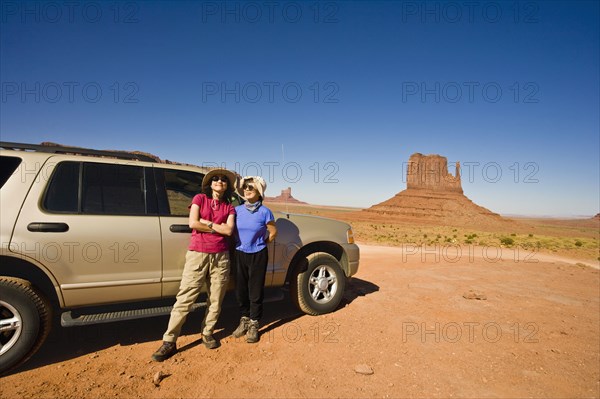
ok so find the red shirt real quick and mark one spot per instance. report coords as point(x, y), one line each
point(217, 212)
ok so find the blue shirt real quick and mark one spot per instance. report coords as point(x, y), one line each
point(252, 228)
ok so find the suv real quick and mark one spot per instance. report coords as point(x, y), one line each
point(101, 236)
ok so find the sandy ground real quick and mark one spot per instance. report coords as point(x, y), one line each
point(424, 325)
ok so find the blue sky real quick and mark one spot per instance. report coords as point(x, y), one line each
point(329, 98)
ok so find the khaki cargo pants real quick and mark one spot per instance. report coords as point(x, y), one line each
point(199, 268)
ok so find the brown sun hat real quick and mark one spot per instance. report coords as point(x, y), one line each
point(220, 172)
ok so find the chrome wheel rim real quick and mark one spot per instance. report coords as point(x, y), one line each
point(322, 284)
point(11, 326)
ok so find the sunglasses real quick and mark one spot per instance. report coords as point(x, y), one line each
point(222, 178)
point(248, 187)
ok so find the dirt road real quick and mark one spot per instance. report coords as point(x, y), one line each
point(409, 327)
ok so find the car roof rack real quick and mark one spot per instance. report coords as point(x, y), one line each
point(59, 149)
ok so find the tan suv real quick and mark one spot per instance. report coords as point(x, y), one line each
point(101, 236)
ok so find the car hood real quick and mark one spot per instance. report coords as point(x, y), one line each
point(310, 228)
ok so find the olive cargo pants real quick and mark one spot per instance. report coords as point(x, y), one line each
point(199, 268)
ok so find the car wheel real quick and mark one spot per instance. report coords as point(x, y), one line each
point(319, 288)
point(25, 322)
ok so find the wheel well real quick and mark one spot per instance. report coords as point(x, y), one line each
point(299, 262)
point(20, 268)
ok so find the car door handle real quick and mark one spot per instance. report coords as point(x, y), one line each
point(47, 227)
point(180, 228)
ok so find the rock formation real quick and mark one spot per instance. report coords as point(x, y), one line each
point(285, 196)
point(430, 172)
point(433, 195)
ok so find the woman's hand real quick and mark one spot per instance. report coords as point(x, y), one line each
point(225, 228)
point(271, 232)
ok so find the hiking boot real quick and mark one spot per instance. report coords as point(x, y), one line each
point(209, 341)
point(166, 350)
point(242, 328)
point(252, 334)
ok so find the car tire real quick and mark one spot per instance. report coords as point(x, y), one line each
point(25, 322)
point(320, 287)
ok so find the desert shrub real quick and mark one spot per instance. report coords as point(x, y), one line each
point(507, 241)
point(513, 235)
point(578, 243)
point(530, 235)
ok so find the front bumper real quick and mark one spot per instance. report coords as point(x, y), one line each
point(352, 253)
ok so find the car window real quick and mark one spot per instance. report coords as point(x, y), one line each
point(180, 187)
point(113, 189)
point(8, 165)
point(104, 189)
point(62, 192)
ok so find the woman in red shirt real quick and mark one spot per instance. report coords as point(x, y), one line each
point(212, 219)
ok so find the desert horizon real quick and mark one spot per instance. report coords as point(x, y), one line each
point(505, 215)
point(571, 238)
point(434, 211)
point(431, 192)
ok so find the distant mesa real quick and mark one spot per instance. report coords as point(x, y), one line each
point(433, 195)
point(430, 172)
point(285, 196)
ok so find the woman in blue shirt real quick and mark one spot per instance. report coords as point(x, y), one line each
point(255, 226)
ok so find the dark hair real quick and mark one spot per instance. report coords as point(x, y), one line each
point(207, 190)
